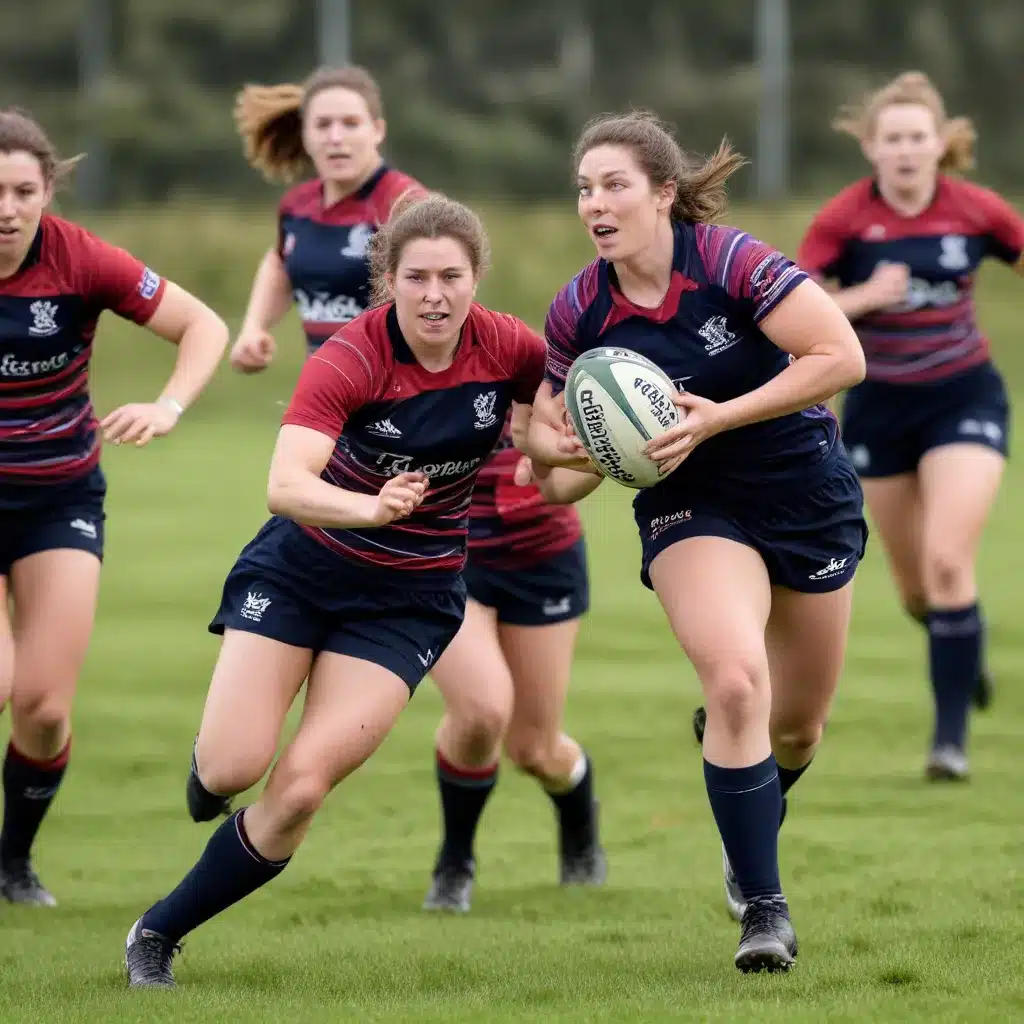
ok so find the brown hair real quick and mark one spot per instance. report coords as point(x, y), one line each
point(416, 216)
point(269, 118)
point(912, 87)
point(21, 133)
point(700, 185)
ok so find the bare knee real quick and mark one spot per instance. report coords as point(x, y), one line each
point(737, 693)
point(795, 742)
point(40, 714)
point(950, 576)
point(227, 772)
point(476, 726)
point(294, 797)
point(531, 750)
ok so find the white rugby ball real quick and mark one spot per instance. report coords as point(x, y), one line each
point(618, 401)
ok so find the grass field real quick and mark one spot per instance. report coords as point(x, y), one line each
point(908, 898)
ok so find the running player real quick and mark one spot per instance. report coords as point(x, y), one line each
point(928, 429)
point(757, 592)
point(56, 279)
point(505, 677)
point(334, 123)
point(355, 583)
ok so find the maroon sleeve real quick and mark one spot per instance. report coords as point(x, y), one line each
point(823, 244)
point(1005, 228)
point(335, 381)
point(118, 281)
point(530, 358)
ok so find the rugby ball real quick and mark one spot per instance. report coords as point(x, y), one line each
point(618, 401)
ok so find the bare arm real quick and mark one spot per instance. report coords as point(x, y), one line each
point(296, 491)
point(557, 485)
point(201, 336)
point(271, 294)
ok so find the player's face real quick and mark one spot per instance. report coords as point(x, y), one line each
point(341, 137)
point(906, 147)
point(617, 202)
point(23, 197)
point(433, 287)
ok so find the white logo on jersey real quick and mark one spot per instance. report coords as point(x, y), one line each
point(483, 406)
point(426, 660)
point(289, 244)
point(717, 335)
point(44, 322)
point(358, 241)
point(11, 367)
point(384, 428)
point(560, 607)
point(922, 293)
point(954, 252)
point(84, 527)
point(860, 456)
point(390, 464)
point(322, 308)
point(254, 607)
point(981, 428)
point(875, 233)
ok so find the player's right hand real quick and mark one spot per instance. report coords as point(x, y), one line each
point(399, 497)
point(253, 350)
point(889, 283)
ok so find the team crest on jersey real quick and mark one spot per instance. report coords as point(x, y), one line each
point(954, 252)
point(44, 318)
point(358, 241)
point(717, 335)
point(483, 406)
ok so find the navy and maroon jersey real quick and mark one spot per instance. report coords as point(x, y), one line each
point(48, 314)
point(324, 248)
point(512, 526)
point(933, 334)
point(705, 336)
point(390, 415)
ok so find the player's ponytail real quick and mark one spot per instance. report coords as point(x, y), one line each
point(417, 214)
point(21, 133)
point(269, 118)
point(912, 87)
point(700, 185)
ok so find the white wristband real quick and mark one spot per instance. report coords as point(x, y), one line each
point(171, 403)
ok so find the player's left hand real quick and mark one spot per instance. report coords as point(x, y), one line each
point(139, 422)
point(701, 419)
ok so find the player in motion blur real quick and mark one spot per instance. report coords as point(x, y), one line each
point(56, 279)
point(505, 677)
point(334, 122)
point(757, 592)
point(928, 429)
point(354, 585)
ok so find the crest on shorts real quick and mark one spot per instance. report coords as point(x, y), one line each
point(483, 406)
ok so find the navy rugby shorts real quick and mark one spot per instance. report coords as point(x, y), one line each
point(887, 428)
point(52, 517)
point(811, 541)
point(290, 588)
point(556, 589)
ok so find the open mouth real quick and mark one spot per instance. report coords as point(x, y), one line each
point(603, 231)
point(6, 232)
point(435, 318)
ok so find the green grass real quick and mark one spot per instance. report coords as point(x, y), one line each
point(908, 898)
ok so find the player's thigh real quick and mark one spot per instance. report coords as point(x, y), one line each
point(55, 594)
point(895, 505)
point(540, 659)
point(806, 639)
point(6, 645)
point(473, 675)
point(351, 705)
point(254, 683)
point(959, 484)
point(717, 597)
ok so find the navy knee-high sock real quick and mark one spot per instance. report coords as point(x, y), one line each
point(747, 805)
point(229, 869)
point(954, 650)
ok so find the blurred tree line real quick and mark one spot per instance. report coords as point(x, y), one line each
point(485, 96)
